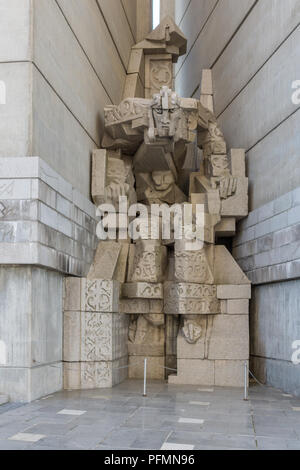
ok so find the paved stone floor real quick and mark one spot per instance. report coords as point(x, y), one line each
point(171, 417)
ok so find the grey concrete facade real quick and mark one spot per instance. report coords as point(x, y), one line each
point(47, 230)
point(44, 220)
point(61, 62)
point(252, 47)
point(31, 332)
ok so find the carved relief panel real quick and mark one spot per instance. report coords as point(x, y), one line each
point(159, 73)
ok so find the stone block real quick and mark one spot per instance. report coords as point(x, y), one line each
point(229, 373)
point(225, 292)
point(96, 295)
point(206, 82)
point(192, 266)
point(194, 372)
point(105, 260)
point(30, 316)
point(186, 350)
point(153, 63)
point(155, 367)
point(192, 307)
point(72, 294)
point(208, 102)
point(133, 87)
point(229, 337)
point(236, 205)
point(143, 290)
point(94, 336)
point(121, 267)
point(185, 290)
point(146, 350)
point(238, 162)
point(147, 262)
point(93, 375)
point(53, 206)
point(226, 228)
point(226, 269)
point(135, 306)
point(188, 298)
point(141, 306)
point(156, 306)
point(235, 307)
point(137, 63)
point(24, 384)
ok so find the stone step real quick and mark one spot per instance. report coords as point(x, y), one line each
point(3, 399)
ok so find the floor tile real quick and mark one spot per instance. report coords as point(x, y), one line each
point(26, 437)
point(71, 412)
point(171, 446)
point(199, 403)
point(191, 421)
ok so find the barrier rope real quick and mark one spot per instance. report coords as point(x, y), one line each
point(253, 376)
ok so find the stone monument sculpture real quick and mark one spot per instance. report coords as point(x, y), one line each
point(183, 308)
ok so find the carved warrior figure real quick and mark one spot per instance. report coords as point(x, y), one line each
point(153, 132)
point(164, 149)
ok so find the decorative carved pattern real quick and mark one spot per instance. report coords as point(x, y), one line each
point(148, 263)
point(100, 296)
point(203, 306)
point(145, 267)
point(191, 266)
point(143, 290)
point(97, 335)
point(185, 290)
point(152, 291)
point(160, 74)
point(131, 306)
point(95, 375)
point(130, 108)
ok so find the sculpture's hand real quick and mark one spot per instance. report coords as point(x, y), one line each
point(228, 185)
point(115, 190)
point(191, 331)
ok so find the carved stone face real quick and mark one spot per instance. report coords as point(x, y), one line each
point(166, 121)
point(166, 113)
point(163, 180)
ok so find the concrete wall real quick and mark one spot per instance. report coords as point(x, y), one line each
point(32, 332)
point(253, 49)
point(62, 61)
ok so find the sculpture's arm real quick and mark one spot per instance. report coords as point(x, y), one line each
point(216, 161)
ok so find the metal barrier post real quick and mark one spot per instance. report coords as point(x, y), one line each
point(246, 382)
point(145, 378)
